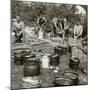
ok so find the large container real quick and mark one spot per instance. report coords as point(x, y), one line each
point(31, 68)
point(74, 63)
point(54, 59)
point(58, 50)
point(62, 81)
point(29, 56)
point(61, 50)
point(18, 57)
point(45, 59)
point(73, 76)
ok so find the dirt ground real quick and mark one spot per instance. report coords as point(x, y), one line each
point(46, 76)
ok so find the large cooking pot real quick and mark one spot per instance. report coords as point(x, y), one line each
point(60, 50)
point(73, 76)
point(63, 81)
point(54, 59)
point(31, 68)
point(74, 63)
point(28, 57)
point(18, 57)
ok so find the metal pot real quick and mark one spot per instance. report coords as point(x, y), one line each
point(28, 57)
point(31, 68)
point(63, 81)
point(74, 63)
point(54, 59)
point(18, 57)
point(58, 50)
point(73, 76)
point(61, 50)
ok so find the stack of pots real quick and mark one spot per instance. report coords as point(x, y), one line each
point(73, 76)
point(31, 66)
point(66, 79)
point(62, 81)
point(18, 57)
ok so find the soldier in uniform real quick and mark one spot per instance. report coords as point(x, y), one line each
point(18, 26)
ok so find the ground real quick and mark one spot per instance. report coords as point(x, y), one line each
point(46, 76)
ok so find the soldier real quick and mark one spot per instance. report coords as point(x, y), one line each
point(18, 29)
point(78, 30)
point(41, 23)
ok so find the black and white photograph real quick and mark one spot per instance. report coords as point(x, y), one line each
point(49, 44)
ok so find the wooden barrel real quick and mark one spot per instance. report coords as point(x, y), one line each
point(54, 59)
point(62, 81)
point(73, 76)
point(18, 57)
point(74, 63)
point(31, 68)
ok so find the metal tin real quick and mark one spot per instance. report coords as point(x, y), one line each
point(74, 63)
point(54, 59)
point(31, 68)
point(27, 57)
point(18, 57)
point(58, 50)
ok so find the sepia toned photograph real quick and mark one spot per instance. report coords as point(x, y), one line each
point(49, 44)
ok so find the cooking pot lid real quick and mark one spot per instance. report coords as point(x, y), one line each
point(63, 81)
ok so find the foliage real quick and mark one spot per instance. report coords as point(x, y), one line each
point(30, 12)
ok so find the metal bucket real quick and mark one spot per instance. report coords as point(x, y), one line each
point(58, 50)
point(29, 56)
point(31, 68)
point(74, 63)
point(18, 57)
point(54, 59)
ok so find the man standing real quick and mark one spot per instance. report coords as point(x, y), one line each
point(18, 29)
point(41, 23)
point(78, 30)
point(56, 26)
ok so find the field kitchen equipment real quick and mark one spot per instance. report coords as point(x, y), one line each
point(58, 50)
point(62, 81)
point(61, 49)
point(73, 76)
point(18, 57)
point(45, 59)
point(31, 82)
point(31, 68)
point(74, 63)
point(27, 56)
point(54, 60)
